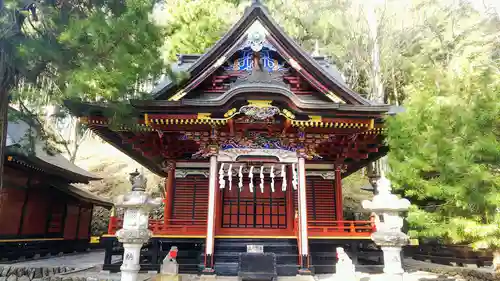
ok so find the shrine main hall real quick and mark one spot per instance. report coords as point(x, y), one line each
point(253, 147)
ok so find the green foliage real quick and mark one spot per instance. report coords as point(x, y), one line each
point(445, 154)
point(94, 53)
point(445, 149)
point(98, 51)
point(193, 26)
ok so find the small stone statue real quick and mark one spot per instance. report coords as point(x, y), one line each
point(344, 267)
point(170, 266)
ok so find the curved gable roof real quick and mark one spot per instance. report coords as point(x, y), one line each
point(17, 132)
point(327, 81)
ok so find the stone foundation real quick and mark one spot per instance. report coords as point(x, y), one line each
point(21, 273)
point(469, 274)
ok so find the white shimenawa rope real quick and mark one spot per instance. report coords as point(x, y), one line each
point(222, 183)
point(271, 174)
point(240, 175)
point(294, 180)
point(283, 175)
point(261, 179)
point(250, 175)
point(230, 175)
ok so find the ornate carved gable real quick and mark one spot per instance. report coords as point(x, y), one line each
point(257, 52)
point(256, 62)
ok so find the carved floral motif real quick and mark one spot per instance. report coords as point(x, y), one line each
point(256, 140)
point(261, 141)
point(259, 113)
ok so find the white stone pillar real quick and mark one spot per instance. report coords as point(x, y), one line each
point(131, 259)
point(209, 243)
point(135, 232)
point(392, 260)
point(304, 243)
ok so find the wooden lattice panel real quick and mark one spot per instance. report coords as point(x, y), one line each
point(190, 203)
point(245, 209)
point(320, 199)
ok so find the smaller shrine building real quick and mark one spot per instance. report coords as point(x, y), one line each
point(42, 212)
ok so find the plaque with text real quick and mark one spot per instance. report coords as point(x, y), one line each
point(255, 249)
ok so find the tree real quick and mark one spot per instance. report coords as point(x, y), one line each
point(95, 51)
point(12, 18)
point(445, 155)
point(445, 149)
point(193, 26)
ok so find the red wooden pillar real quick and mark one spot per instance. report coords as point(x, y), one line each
point(338, 195)
point(169, 193)
point(112, 221)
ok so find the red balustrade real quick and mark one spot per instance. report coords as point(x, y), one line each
point(174, 227)
point(340, 228)
point(316, 228)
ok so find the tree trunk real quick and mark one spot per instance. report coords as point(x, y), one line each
point(75, 138)
point(395, 88)
point(4, 122)
point(377, 90)
point(496, 261)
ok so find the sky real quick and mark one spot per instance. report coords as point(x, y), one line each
point(483, 5)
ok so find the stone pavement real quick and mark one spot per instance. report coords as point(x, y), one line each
point(87, 267)
point(77, 261)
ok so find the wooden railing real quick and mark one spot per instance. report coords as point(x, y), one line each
point(175, 226)
point(340, 228)
point(179, 227)
point(316, 228)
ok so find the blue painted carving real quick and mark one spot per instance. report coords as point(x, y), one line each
point(269, 63)
point(258, 141)
point(244, 62)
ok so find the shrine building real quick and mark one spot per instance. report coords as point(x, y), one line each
point(42, 212)
point(254, 146)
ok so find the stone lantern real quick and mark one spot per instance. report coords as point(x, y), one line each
point(388, 235)
point(135, 232)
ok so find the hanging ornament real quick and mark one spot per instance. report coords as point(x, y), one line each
point(240, 175)
point(271, 174)
point(294, 177)
point(230, 175)
point(222, 183)
point(261, 179)
point(283, 175)
point(250, 175)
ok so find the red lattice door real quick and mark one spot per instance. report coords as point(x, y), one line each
point(245, 209)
